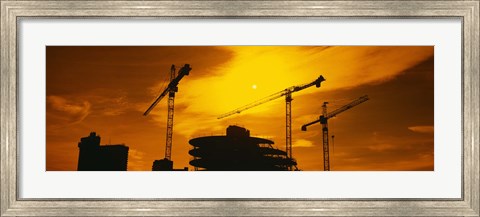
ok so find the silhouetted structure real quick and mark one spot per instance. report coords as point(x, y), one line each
point(162, 165)
point(237, 151)
point(165, 165)
point(324, 121)
point(93, 157)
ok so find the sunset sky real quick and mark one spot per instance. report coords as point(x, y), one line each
point(107, 90)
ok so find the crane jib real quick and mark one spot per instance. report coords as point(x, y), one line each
point(185, 70)
point(323, 119)
point(277, 95)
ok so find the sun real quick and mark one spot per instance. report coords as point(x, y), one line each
point(254, 86)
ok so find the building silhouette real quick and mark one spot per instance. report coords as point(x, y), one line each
point(94, 157)
point(237, 151)
point(165, 165)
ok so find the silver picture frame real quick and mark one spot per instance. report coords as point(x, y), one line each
point(12, 11)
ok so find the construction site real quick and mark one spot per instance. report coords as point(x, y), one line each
point(237, 150)
point(240, 108)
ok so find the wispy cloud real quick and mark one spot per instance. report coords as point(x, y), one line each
point(136, 160)
point(421, 129)
point(302, 143)
point(347, 68)
point(272, 69)
point(382, 147)
point(68, 111)
point(111, 106)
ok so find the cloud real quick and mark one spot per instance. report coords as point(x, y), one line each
point(67, 111)
point(382, 147)
point(112, 105)
point(342, 66)
point(302, 143)
point(136, 160)
point(421, 129)
point(273, 68)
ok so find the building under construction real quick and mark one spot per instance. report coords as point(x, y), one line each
point(237, 151)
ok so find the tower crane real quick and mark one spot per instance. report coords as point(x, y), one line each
point(324, 121)
point(288, 107)
point(171, 90)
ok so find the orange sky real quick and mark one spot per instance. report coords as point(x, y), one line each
point(107, 89)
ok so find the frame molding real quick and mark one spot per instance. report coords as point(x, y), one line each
point(11, 11)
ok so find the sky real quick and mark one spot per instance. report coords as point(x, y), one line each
point(106, 89)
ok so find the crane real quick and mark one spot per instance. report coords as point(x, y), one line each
point(171, 89)
point(324, 121)
point(288, 107)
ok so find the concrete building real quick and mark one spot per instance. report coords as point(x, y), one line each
point(237, 151)
point(94, 157)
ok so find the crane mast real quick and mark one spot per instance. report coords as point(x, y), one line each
point(171, 105)
point(288, 125)
point(323, 119)
point(171, 89)
point(288, 107)
point(326, 146)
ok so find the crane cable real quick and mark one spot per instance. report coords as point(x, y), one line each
point(164, 85)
